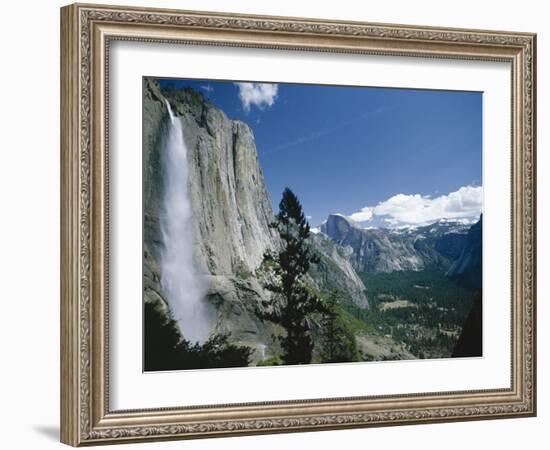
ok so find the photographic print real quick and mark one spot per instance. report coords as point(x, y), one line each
point(290, 224)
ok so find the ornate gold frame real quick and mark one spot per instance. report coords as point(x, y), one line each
point(86, 31)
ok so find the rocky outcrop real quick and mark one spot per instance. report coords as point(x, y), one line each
point(376, 347)
point(389, 250)
point(467, 269)
point(335, 271)
point(372, 250)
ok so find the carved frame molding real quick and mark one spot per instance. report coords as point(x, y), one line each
point(86, 31)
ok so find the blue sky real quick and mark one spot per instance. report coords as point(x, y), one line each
point(368, 153)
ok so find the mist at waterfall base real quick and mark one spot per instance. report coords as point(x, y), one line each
point(184, 286)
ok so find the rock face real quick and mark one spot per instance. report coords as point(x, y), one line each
point(387, 250)
point(467, 269)
point(154, 113)
point(231, 208)
point(231, 205)
point(232, 212)
point(335, 270)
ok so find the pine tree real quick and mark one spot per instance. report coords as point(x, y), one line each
point(329, 326)
point(292, 302)
point(339, 344)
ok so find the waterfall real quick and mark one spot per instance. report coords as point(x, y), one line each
point(261, 349)
point(184, 286)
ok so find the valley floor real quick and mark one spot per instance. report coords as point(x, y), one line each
point(411, 315)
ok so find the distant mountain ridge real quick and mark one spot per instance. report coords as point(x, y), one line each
point(437, 245)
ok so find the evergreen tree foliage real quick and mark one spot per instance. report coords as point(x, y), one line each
point(292, 302)
point(160, 341)
point(166, 349)
point(339, 344)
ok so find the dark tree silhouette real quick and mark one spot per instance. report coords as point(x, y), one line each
point(470, 342)
point(339, 344)
point(166, 349)
point(292, 302)
point(161, 339)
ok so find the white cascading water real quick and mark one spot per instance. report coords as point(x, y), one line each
point(182, 283)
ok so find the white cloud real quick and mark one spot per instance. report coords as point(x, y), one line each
point(207, 88)
point(365, 214)
point(257, 94)
point(403, 209)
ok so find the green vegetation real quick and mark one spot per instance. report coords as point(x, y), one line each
point(437, 300)
point(273, 361)
point(292, 301)
point(424, 311)
point(244, 274)
point(241, 271)
point(339, 344)
point(166, 349)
